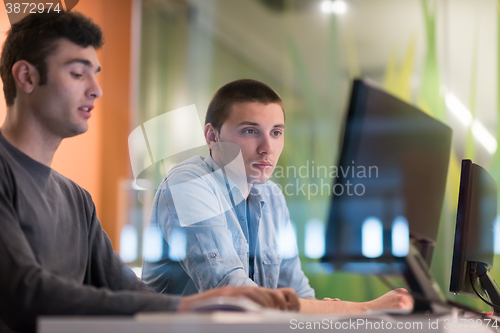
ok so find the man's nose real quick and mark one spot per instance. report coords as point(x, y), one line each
point(265, 146)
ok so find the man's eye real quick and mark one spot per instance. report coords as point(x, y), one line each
point(277, 133)
point(249, 131)
point(76, 75)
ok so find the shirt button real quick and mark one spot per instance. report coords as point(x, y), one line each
point(214, 255)
point(241, 218)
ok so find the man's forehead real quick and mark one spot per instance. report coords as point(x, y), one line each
point(65, 51)
point(254, 113)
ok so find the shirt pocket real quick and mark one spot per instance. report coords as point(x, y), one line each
point(271, 269)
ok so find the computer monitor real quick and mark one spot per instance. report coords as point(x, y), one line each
point(473, 249)
point(386, 221)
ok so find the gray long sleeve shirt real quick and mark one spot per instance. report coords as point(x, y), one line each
point(55, 259)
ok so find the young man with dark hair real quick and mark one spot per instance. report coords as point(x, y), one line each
point(55, 259)
point(234, 219)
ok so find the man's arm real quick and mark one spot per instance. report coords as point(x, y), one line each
point(394, 299)
point(28, 290)
point(291, 275)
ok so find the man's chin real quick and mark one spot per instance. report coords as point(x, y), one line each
point(77, 130)
point(257, 181)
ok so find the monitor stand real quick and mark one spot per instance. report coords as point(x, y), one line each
point(480, 271)
point(426, 293)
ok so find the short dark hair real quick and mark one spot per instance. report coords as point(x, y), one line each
point(239, 91)
point(34, 37)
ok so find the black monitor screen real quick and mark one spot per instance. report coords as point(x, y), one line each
point(476, 213)
point(390, 183)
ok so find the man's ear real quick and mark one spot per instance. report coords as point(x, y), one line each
point(25, 75)
point(211, 134)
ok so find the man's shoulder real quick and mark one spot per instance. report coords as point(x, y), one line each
point(187, 170)
point(18, 174)
point(5, 158)
point(195, 163)
point(68, 185)
point(71, 184)
point(6, 172)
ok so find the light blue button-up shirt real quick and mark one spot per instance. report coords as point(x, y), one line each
point(200, 205)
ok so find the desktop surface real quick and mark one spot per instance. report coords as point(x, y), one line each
point(268, 321)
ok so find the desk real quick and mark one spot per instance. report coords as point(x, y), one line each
point(268, 321)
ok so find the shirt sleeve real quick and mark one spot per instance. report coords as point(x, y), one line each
point(190, 210)
point(27, 290)
point(291, 274)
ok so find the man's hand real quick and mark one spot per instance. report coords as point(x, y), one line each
point(283, 298)
point(291, 299)
point(395, 299)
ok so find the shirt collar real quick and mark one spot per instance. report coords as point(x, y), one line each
point(255, 194)
point(230, 185)
point(224, 182)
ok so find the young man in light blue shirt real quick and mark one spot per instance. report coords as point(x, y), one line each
point(234, 220)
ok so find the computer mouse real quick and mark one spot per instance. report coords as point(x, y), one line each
point(226, 304)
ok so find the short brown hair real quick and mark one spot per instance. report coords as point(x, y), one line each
point(33, 39)
point(239, 91)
